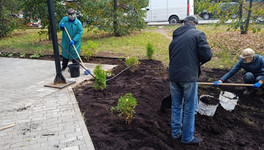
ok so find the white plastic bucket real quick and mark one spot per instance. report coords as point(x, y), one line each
point(228, 100)
point(206, 109)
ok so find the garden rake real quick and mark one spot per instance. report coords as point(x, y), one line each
point(85, 69)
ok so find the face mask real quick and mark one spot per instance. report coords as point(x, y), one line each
point(72, 16)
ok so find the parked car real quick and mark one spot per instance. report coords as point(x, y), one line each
point(173, 11)
point(21, 20)
point(224, 7)
point(35, 24)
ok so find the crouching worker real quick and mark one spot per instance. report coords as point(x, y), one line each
point(253, 65)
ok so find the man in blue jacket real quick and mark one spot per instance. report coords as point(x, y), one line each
point(253, 65)
point(75, 30)
point(188, 50)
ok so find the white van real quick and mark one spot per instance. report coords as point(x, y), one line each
point(173, 11)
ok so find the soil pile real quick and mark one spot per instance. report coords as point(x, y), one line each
point(241, 128)
point(209, 100)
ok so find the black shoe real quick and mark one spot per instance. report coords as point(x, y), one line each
point(195, 141)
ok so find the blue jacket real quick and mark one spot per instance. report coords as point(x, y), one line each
point(256, 67)
point(75, 31)
point(187, 51)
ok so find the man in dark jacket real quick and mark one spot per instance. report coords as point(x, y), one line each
point(187, 51)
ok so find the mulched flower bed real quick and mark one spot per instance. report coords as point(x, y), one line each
point(241, 128)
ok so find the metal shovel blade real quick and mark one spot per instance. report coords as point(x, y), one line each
point(165, 103)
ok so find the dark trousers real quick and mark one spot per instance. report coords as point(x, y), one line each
point(249, 78)
point(65, 62)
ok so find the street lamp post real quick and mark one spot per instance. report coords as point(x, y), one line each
point(59, 81)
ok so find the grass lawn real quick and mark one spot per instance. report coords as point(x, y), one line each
point(226, 45)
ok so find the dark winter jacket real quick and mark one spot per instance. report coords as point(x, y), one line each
point(256, 67)
point(188, 51)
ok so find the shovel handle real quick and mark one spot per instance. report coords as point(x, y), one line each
point(226, 84)
point(74, 47)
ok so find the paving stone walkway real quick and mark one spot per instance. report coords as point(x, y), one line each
point(42, 118)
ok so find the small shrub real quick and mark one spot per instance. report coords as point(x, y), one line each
point(23, 55)
point(93, 30)
point(91, 49)
point(40, 33)
point(150, 50)
point(10, 55)
point(35, 56)
point(100, 78)
point(7, 24)
point(132, 62)
point(4, 54)
point(126, 107)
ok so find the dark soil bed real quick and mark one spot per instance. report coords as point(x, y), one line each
point(241, 128)
point(209, 100)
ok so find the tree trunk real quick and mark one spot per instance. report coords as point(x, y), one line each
point(115, 19)
point(240, 16)
point(248, 17)
point(1, 8)
point(2, 33)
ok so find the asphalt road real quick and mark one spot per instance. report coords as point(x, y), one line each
point(201, 21)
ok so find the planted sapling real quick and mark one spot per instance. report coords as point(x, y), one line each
point(126, 107)
point(132, 62)
point(150, 50)
point(100, 78)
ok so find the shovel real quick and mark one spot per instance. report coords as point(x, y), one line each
point(166, 101)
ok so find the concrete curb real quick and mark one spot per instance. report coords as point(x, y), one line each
point(86, 136)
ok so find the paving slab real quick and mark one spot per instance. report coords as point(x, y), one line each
point(44, 118)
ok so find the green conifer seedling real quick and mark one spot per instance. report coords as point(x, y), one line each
point(100, 78)
point(150, 50)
